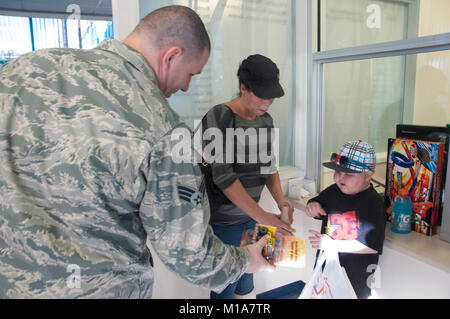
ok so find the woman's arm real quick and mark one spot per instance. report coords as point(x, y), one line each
point(274, 186)
point(239, 196)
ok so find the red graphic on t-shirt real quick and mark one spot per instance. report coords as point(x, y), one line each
point(344, 226)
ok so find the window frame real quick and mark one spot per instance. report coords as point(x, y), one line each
point(432, 43)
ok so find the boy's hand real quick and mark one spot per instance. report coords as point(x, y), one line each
point(325, 242)
point(320, 241)
point(315, 210)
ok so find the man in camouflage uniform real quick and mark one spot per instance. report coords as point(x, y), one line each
point(87, 174)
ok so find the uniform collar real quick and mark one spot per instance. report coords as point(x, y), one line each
point(130, 55)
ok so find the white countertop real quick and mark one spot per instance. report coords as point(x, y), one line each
point(428, 249)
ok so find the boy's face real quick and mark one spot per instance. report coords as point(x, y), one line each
point(352, 183)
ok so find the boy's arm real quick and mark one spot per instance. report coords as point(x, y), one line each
point(315, 207)
point(323, 241)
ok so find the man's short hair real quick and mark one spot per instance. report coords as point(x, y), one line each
point(176, 26)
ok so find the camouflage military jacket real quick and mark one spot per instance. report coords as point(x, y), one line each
point(87, 177)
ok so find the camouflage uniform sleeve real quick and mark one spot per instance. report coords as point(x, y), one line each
point(176, 215)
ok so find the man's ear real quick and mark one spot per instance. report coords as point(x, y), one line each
point(170, 55)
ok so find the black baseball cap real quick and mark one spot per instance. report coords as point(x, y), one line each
point(261, 76)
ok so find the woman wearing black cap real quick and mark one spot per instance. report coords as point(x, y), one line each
point(234, 182)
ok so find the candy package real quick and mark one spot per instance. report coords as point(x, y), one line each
point(286, 251)
point(417, 166)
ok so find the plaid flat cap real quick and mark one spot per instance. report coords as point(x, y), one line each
point(353, 157)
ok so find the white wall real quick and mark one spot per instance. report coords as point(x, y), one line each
point(432, 84)
point(301, 83)
point(125, 17)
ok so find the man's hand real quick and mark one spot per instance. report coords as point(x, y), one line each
point(259, 263)
point(315, 210)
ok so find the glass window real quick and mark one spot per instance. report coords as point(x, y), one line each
point(15, 37)
point(69, 33)
point(239, 28)
point(19, 35)
point(366, 99)
point(348, 23)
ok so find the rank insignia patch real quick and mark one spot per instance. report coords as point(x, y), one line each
point(190, 195)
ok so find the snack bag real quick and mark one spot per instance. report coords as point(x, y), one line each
point(251, 236)
point(286, 251)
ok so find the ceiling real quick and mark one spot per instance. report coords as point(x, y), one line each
point(56, 8)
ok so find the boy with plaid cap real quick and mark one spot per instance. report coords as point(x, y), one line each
point(352, 213)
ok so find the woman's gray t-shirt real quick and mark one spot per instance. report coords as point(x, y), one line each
point(236, 148)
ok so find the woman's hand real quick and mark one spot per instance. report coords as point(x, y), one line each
point(239, 196)
point(270, 219)
point(290, 214)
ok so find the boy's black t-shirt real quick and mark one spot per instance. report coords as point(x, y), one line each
point(360, 217)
